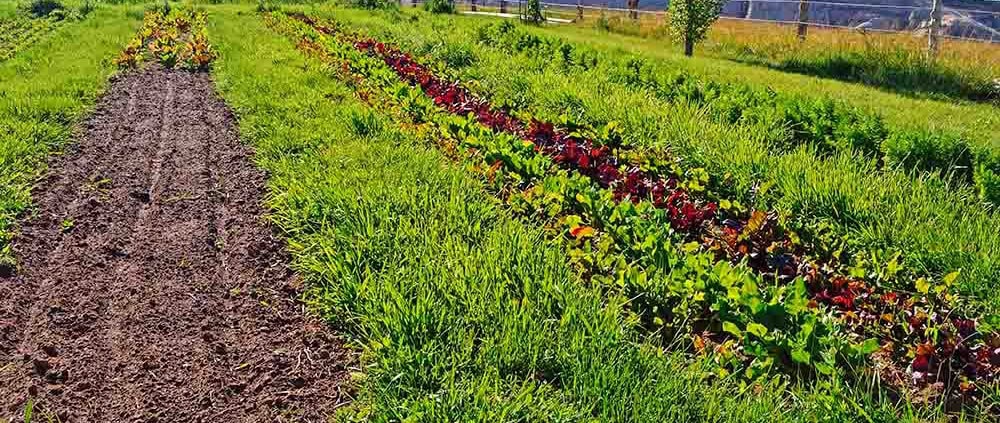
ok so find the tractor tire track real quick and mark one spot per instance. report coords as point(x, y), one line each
point(151, 288)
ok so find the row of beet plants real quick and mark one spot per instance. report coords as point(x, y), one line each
point(822, 122)
point(177, 39)
point(696, 265)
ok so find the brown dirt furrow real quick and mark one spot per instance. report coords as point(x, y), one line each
point(151, 288)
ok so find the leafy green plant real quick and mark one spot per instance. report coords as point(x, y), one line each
point(175, 39)
point(533, 12)
point(42, 8)
point(691, 19)
point(374, 4)
point(86, 8)
point(946, 154)
point(440, 6)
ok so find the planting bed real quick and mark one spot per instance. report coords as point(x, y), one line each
point(175, 39)
point(149, 286)
point(636, 197)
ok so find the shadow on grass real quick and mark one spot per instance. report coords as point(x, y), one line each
point(897, 71)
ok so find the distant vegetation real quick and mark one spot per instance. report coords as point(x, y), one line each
point(896, 62)
point(965, 70)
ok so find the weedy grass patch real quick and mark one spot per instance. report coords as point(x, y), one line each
point(44, 90)
point(18, 32)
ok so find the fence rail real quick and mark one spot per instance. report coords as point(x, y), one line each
point(572, 6)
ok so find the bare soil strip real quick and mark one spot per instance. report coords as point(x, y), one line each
point(151, 289)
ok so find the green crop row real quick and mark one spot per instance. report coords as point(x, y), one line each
point(827, 124)
point(789, 120)
point(939, 227)
point(18, 32)
point(463, 312)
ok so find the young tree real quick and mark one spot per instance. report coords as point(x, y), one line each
point(690, 20)
point(440, 6)
point(533, 12)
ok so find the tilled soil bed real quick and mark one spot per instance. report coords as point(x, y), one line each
point(150, 287)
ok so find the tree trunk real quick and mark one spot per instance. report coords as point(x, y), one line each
point(688, 47)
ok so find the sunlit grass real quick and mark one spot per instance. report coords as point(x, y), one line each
point(938, 225)
point(462, 312)
point(894, 62)
point(46, 89)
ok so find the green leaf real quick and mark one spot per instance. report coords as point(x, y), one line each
point(690, 247)
point(573, 220)
point(950, 278)
point(869, 346)
point(922, 285)
point(825, 369)
point(757, 329)
point(893, 267)
point(800, 355)
point(732, 328)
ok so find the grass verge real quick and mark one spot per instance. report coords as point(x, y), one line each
point(45, 90)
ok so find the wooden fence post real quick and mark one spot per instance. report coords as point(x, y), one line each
point(803, 19)
point(579, 10)
point(503, 6)
point(472, 5)
point(934, 29)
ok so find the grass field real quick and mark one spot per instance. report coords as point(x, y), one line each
point(898, 109)
point(47, 87)
point(519, 223)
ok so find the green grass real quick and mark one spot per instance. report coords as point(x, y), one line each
point(894, 63)
point(462, 312)
point(939, 227)
point(19, 32)
point(44, 91)
point(981, 120)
